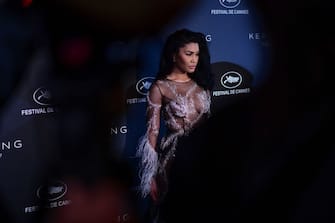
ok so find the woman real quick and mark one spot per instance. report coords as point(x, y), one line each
point(180, 96)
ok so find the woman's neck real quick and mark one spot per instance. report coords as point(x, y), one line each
point(178, 76)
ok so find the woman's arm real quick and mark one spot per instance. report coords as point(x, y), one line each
point(153, 114)
point(147, 145)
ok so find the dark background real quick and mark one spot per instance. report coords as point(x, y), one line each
point(265, 157)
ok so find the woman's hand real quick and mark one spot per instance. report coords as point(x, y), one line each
point(154, 190)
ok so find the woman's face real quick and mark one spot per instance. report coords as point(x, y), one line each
point(186, 60)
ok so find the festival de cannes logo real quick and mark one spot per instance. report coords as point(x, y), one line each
point(51, 194)
point(143, 85)
point(230, 3)
point(53, 191)
point(42, 96)
point(231, 79)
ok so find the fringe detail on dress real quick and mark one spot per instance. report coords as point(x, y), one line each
point(171, 143)
point(148, 164)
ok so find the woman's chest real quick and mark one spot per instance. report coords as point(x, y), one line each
point(184, 105)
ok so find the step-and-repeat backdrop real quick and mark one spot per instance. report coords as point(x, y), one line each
point(50, 125)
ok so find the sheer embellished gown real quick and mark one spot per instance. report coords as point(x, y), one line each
point(182, 106)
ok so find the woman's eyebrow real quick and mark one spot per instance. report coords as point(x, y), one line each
point(192, 51)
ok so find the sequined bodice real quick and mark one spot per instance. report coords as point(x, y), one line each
point(183, 104)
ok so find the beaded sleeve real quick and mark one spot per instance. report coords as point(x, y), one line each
point(147, 144)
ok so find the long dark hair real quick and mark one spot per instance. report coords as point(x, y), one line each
point(203, 74)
